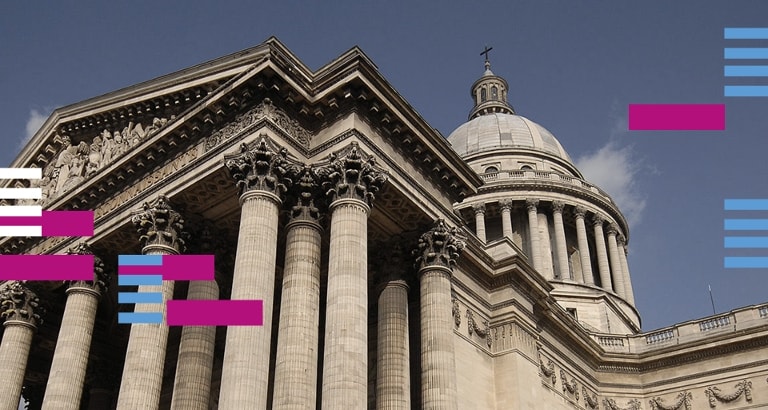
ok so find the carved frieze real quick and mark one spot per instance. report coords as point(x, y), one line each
point(160, 225)
point(610, 404)
point(440, 246)
point(569, 387)
point(456, 311)
point(100, 276)
point(714, 394)
point(350, 173)
point(683, 401)
point(263, 167)
point(548, 371)
point(264, 110)
point(590, 400)
point(19, 303)
point(473, 327)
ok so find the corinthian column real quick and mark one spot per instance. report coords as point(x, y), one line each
point(480, 221)
point(560, 247)
point(506, 217)
point(438, 250)
point(625, 267)
point(70, 359)
point(21, 309)
point(581, 237)
point(393, 380)
point(602, 255)
point(533, 233)
point(298, 334)
point(194, 366)
point(260, 175)
point(616, 268)
point(351, 180)
point(161, 233)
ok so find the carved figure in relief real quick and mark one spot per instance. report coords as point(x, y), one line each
point(94, 157)
point(76, 167)
point(107, 145)
point(119, 145)
point(63, 162)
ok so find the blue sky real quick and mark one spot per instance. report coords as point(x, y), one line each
point(572, 66)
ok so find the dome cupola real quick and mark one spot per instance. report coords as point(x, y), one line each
point(490, 92)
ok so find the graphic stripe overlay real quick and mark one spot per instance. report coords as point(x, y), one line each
point(149, 273)
point(748, 242)
point(676, 117)
point(757, 71)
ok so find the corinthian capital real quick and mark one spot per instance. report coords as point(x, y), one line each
point(352, 174)
point(598, 219)
point(531, 204)
point(100, 277)
point(612, 229)
point(558, 206)
point(260, 168)
point(160, 225)
point(579, 211)
point(304, 194)
point(440, 246)
point(19, 303)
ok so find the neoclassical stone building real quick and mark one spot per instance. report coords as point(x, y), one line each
point(399, 269)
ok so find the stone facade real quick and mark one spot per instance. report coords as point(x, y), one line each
point(398, 269)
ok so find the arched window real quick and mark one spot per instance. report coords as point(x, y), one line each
point(494, 93)
point(491, 170)
point(524, 167)
point(483, 95)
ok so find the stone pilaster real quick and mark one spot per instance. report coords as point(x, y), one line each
point(351, 181)
point(161, 230)
point(261, 175)
point(298, 333)
point(617, 271)
point(533, 233)
point(479, 210)
point(70, 359)
point(393, 379)
point(622, 241)
point(602, 253)
point(194, 366)
point(20, 307)
point(506, 217)
point(581, 237)
point(437, 252)
point(560, 245)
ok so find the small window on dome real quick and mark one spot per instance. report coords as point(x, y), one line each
point(494, 93)
point(524, 167)
point(491, 170)
point(483, 95)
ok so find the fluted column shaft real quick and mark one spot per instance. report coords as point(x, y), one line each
point(297, 341)
point(625, 266)
point(602, 255)
point(345, 358)
point(480, 222)
point(545, 242)
point(560, 245)
point(581, 237)
point(533, 234)
point(393, 380)
point(506, 218)
point(192, 384)
point(617, 270)
point(14, 353)
point(438, 361)
point(245, 372)
point(70, 359)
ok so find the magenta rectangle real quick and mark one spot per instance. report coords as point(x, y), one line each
point(214, 313)
point(175, 267)
point(56, 223)
point(676, 117)
point(46, 267)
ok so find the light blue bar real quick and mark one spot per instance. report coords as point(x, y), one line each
point(746, 33)
point(139, 317)
point(746, 225)
point(136, 280)
point(745, 91)
point(745, 242)
point(745, 53)
point(746, 262)
point(139, 297)
point(140, 260)
point(745, 71)
point(745, 205)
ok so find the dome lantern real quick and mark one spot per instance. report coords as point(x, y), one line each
point(490, 92)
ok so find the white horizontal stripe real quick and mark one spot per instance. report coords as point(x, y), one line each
point(21, 193)
point(21, 173)
point(21, 231)
point(21, 210)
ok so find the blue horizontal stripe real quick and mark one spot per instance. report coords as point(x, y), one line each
point(745, 242)
point(745, 91)
point(136, 280)
point(139, 297)
point(139, 317)
point(746, 224)
point(745, 71)
point(746, 262)
point(745, 205)
point(746, 33)
point(140, 260)
point(745, 53)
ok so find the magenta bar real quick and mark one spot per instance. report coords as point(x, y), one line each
point(67, 223)
point(676, 117)
point(46, 267)
point(214, 313)
point(188, 267)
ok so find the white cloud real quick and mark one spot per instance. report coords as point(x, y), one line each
point(615, 170)
point(34, 122)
